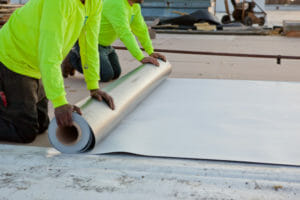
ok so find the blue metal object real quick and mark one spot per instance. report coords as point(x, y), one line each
point(163, 9)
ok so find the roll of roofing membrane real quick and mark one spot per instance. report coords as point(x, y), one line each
point(98, 119)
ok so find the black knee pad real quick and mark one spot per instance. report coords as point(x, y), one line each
point(26, 133)
point(117, 74)
point(27, 137)
point(106, 77)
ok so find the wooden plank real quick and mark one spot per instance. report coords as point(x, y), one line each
point(166, 26)
point(10, 6)
point(205, 27)
point(6, 11)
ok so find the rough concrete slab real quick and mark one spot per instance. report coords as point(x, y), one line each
point(39, 173)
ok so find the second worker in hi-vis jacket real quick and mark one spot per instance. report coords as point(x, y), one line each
point(121, 19)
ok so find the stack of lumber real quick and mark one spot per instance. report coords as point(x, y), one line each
point(6, 10)
point(4, 1)
point(291, 28)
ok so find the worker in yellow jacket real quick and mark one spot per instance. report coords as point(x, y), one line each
point(120, 19)
point(33, 44)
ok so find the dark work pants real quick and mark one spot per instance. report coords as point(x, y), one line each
point(109, 62)
point(25, 113)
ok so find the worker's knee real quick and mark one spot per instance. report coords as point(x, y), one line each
point(117, 73)
point(27, 135)
point(75, 59)
point(107, 74)
point(106, 77)
point(26, 131)
point(9, 132)
point(28, 138)
point(110, 75)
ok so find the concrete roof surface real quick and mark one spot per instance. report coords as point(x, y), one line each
point(41, 173)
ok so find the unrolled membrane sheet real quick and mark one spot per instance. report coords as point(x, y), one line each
point(235, 120)
point(98, 119)
point(251, 121)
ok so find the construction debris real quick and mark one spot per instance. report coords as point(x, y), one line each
point(203, 22)
point(199, 16)
point(277, 30)
point(245, 13)
point(291, 28)
point(205, 27)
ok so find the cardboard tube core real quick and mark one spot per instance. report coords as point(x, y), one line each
point(68, 135)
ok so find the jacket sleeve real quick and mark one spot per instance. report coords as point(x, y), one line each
point(88, 42)
point(140, 29)
point(50, 49)
point(118, 17)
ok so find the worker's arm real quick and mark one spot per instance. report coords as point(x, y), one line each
point(88, 42)
point(140, 29)
point(50, 47)
point(51, 40)
point(50, 55)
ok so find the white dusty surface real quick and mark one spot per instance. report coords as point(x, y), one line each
point(38, 173)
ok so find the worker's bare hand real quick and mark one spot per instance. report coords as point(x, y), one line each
point(100, 95)
point(63, 115)
point(150, 60)
point(159, 56)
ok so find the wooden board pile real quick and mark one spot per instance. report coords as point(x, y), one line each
point(6, 10)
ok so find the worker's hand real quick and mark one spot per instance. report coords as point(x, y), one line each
point(150, 60)
point(100, 95)
point(63, 115)
point(159, 56)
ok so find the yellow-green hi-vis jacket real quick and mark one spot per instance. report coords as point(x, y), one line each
point(121, 20)
point(39, 35)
